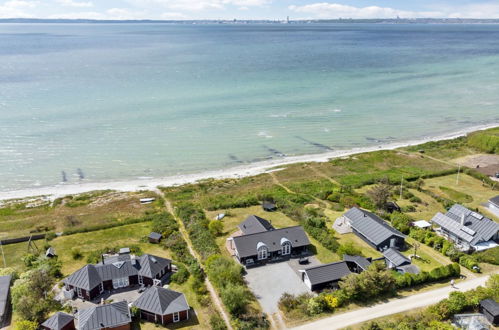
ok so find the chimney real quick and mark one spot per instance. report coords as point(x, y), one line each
point(462, 219)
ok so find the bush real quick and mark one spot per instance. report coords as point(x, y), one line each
point(350, 249)
point(235, 298)
point(216, 227)
point(490, 256)
point(76, 254)
point(469, 262)
point(26, 325)
point(217, 322)
point(316, 305)
point(181, 276)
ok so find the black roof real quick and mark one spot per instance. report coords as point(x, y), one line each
point(155, 235)
point(495, 200)
point(161, 301)
point(327, 273)
point(58, 321)
point(491, 306)
point(104, 316)
point(371, 226)
point(359, 260)
point(268, 205)
point(396, 258)
point(246, 245)
point(4, 293)
point(89, 276)
point(254, 224)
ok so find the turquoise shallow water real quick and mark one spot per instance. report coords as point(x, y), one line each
point(122, 101)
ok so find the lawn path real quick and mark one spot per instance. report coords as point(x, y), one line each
point(277, 182)
point(214, 296)
point(395, 306)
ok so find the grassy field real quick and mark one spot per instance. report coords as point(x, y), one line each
point(73, 212)
point(467, 185)
point(278, 220)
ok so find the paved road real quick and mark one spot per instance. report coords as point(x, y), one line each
point(392, 307)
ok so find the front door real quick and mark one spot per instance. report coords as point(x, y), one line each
point(79, 293)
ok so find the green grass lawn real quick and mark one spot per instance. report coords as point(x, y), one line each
point(427, 260)
point(278, 220)
point(467, 185)
point(114, 237)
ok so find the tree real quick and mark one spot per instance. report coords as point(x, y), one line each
point(216, 227)
point(379, 194)
point(235, 298)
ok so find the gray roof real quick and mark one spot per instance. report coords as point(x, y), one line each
point(411, 269)
point(91, 276)
point(371, 226)
point(396, 258)
point(491, 306)
point(161, 301)
point(476, 229)
point(4, 292)
point(254, 224)
point(58, 321)
point(359, 260)
point(104, 316)
point(246, 245)
point(155, 235)
point(328, 272)
point(495, 200)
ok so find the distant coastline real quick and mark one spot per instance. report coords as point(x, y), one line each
point(253, 169)
point(277, 21)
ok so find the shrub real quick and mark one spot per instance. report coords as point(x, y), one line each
point(216, 227)
point(181, 276)
point(490, 256)
point(469, 262)
point(350, 249)
point(217, 322)
point(235, 298)
point(76, 254)
point(316, 305)
point(26, 325)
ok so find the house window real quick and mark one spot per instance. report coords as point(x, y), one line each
point(176, 317)
point(79, 293)
point(120, 282)
point(141, 280)
point(262, 253)
point(286, 248)
point(101, 287)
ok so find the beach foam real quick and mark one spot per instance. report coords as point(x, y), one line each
point(233, 172)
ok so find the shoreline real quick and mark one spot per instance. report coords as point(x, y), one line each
point(253, 169)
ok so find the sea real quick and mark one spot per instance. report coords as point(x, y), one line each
point(105, 102)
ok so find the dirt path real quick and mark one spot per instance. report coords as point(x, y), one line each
point(392, 307)
point(183, 231)
point(316, 170)
point(277, 182)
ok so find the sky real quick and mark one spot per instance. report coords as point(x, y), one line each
point(247, 9)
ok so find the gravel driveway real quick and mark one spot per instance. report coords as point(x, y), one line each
point(269, 282)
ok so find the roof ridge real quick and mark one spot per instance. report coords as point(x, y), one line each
point(328, 264)
point(270, 231)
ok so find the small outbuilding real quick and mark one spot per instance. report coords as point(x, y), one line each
point(490, 309)
point(155, 237)
point(164, 306)
point(325, 276)
point(50, 253)
point(269, 206)
point(59, 321)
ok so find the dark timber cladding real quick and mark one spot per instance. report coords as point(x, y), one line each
point(325, 276)
point(490, 309)
point(270, 245)
point(163, 306)
point(374, 230)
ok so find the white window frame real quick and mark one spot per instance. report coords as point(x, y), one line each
point(141, 280)
point(263, 253)
point(176, 317)
point(79, 292)
point(101, 287)
point(121, 282)
point(286, 248)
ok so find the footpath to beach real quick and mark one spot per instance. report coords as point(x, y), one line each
point(392, 307)
point(253, 169)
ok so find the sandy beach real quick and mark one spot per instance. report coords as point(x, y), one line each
point(60, 190)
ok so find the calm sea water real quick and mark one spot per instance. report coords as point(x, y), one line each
point(123, 101)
